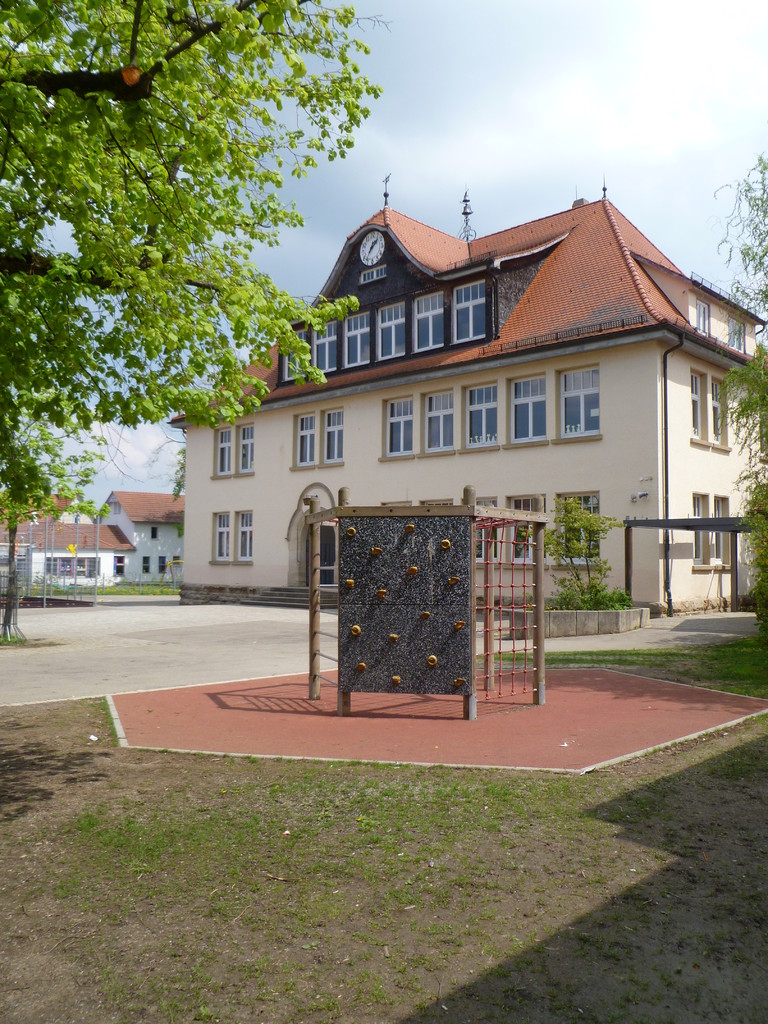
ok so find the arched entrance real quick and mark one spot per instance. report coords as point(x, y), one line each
point(298, 541)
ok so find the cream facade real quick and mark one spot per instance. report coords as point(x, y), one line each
point(581, 414)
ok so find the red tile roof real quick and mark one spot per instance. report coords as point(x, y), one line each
point(111, 538)
point(591, 281)
point(151, 507)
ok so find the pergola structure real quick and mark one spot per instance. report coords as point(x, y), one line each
point(732, 525)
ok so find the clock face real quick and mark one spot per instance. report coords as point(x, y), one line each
point(372, 248)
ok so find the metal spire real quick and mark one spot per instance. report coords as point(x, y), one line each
point(467, 232)
point(386, 193)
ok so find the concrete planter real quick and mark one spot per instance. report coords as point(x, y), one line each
point(569, 623)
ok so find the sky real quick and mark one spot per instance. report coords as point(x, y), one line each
point(529, 106)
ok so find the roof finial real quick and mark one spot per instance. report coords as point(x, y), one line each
point(605, 189)
point(467, 232)
point(386, 193)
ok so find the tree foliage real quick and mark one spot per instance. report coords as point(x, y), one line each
point(746, 396)
point(143, 145)
point(574, 544)
point(42, 479)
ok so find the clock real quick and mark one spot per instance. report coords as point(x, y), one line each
point(372, 248)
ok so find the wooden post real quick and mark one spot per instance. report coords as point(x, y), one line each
point(734, 540)
point(539, 680)
point(314, 603)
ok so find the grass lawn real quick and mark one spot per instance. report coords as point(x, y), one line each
point(737, 667)
point(143, 886)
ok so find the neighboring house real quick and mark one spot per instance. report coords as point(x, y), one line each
point(153, 523)
point(61, 549)
point(532, 363)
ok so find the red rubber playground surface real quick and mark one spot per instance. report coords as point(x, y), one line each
point(591, 717)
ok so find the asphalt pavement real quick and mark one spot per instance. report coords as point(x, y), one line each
point(145, 643)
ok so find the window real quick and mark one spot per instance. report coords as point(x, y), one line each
point(161, 563)
point(736, 334)
point(221, 539)
point(246, 448)
point(523, 533)
point(119, 565)
point(717, 424)
point(153, 532)
point(483, 550)
point(325, 348)
point(400, 427)
point(245, 536)
point(305, 441)
point(469, 312)
point(428, 327)
point(145, 567)
point(392, 331)
point(529, 409)
point(581, 402)
point(481, 416)
point(696, 405)
point(702, 316)
point(722, 543)
point(290, 368)
point(590, 503)
point(334, 436)
point(373, 274)
point(439, 422)
point(699, 538)
point(358, 339)
point(224, 451)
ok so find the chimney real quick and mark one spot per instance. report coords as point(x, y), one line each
point(579, 202)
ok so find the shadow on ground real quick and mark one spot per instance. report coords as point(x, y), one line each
point(686, 944)
point(27, 772)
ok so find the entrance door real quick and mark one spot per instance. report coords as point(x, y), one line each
point(327, 556)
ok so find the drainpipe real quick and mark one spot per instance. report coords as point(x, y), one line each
point(667, 565)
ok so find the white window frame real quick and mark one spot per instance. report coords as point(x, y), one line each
point(358, 327)
point(699, 509)
point(246, 445)
point(428, 314)
point(290, 370)
point(245, 536)
point(224, 451)
point(697, 419)
point(334, 435)
point(528, 394)
point(373, 274)
point(399, 415)
point(480, 401)
point(438, 410)
point(523, 548)
point(737, 334)
point(481, 541)
point(391, 327)
point(718, 435)
point(326, 352)
point(305, 439)
point(581, 387)
point(703, 316)
point(469, 299)
point(589, 500)
point(721, 541)
point(221, 537)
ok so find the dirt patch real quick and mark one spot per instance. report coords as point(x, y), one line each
point(141, 886)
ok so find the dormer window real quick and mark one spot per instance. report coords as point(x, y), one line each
point(702, 316)
point(392, 331)
point(469, 312)
point(428, 321)
point(325, 348)
point(290, 368)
